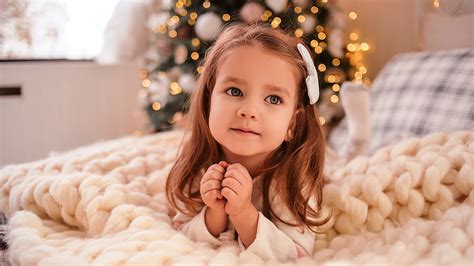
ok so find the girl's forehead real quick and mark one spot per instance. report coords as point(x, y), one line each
point(257, 64)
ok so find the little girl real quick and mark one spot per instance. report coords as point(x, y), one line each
point(252, 164)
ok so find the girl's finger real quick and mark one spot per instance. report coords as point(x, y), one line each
point(229, 194)
point(207, 178)
point(239, 168)
point(211, 184)
point(217, 168)
point(223, 164)
point(212, 174)
point(232, 183)
point(212, 194)
point(235, 174)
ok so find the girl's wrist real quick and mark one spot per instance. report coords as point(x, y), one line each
point(216, 212)
point(248, 211)
point(246, 223)
point(216, 221)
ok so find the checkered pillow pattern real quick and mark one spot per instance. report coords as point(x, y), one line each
point(419, 93)
point(3, 244)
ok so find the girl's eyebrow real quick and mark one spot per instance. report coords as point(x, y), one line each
point(234, 79)
point(269, 87)
point(278, 89)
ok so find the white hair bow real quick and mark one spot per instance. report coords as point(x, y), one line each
point(312, 82)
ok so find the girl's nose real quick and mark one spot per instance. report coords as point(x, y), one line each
point(247, 112)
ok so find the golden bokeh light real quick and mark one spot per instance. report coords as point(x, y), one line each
point(353, 15)
point(156, 106)
point(146, 83)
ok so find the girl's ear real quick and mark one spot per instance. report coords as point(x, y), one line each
point(292, 125)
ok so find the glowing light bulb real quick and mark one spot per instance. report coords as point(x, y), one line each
point(298, 33)
point(146, 83)
point(175, 89)
point(322, 120)
point(351, 47)
point(353, 15)
point(156, 106)
point(195, 42)
point(331, 79)
point(276, 22)
point(353, 36)
point(194, 55)
point(143, 73)
point(364, 46)
point(173, 34)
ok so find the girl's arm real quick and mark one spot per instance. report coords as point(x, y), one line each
point(245, 223)
point(216, 221)
point(211, 221)
point(210, 189)
point(237, 189)
point(257, 234)
point(195, 228)
point(273, 240)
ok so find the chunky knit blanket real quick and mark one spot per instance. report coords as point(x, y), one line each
point(105, 204)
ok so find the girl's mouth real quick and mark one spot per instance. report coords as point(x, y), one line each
point(244, 132)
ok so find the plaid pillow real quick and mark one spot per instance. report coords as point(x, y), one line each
point(419, 93)
point(3, 243)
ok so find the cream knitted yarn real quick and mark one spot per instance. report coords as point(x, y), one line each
point(105, 204)
point(416, 178)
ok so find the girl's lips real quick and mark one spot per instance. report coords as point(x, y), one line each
point(240, 131)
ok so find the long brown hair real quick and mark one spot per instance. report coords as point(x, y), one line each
point(294, 170)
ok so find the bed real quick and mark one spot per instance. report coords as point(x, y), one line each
point(409, 200)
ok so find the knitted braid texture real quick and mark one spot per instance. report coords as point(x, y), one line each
point(105, 204)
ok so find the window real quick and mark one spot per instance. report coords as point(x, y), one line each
point(59, 29)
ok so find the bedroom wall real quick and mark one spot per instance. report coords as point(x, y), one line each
point(397, 26)
point(65, 105)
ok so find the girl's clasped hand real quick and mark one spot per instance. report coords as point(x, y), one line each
point(227, 188)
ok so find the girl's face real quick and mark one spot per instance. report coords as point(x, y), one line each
point(255, 91)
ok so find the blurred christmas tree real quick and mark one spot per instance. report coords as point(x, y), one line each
point(183, 30)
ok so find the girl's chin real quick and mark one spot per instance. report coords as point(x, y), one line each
point(242, 150)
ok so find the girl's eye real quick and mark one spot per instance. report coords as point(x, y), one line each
point(273, 99)
point(234, 92)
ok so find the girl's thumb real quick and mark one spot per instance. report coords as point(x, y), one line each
point(223, 164)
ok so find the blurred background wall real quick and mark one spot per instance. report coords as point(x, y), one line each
point(66, 104)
